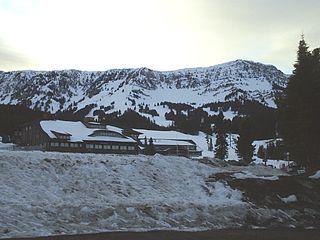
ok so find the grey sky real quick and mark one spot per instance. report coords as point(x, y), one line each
point(159, 34)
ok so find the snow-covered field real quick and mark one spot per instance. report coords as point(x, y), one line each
point(46, 193)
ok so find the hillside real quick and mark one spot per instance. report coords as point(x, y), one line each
point(149, 92)
point(62, 193)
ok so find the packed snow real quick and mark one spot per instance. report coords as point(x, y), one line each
point(247, 174)
point(316, 175)
point(7, 146)
point(79, 132)
point(280, 164)
point(46, 193)
point(289, 199)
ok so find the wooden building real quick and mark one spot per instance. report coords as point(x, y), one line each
point(180, 147)
point(68, 136)
point(170, 142)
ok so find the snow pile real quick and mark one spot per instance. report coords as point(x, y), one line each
point(58, 193)
point(6, 146)
point(274, 163)
point(316, 175)
point(246, 174)
point(289, 199)
point(257, 172)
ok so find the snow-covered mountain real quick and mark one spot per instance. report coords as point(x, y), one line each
point(120, 89)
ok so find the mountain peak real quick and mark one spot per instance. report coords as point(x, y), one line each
point(120, 89)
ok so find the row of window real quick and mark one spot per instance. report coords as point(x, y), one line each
point(64, 137)
point(106, 133)
point(93, 146)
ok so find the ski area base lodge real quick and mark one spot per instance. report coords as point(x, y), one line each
point(68, 136)
point(94, 137)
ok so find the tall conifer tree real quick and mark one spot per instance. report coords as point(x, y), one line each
point(244, 146)
point(299, 109)
point(221, 146)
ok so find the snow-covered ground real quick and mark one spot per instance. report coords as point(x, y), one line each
point(276, 163)
point(46, 193)
point(316, 175)
point(6, 146)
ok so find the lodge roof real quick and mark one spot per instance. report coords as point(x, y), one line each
point(78, 132)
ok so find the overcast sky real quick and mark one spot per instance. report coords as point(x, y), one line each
point(158, 34)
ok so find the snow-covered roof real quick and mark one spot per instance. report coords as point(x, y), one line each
point(79, 132)
point(156, 134)
point(170, 138)
point(171, 142)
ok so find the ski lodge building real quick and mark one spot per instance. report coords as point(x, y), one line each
point(93, 137)
point(83, 137)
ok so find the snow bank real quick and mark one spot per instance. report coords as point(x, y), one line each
point(257, 172)
point(246, 174)
point(66, 193)
point(316, 175)
point(274, 163)
point(6, 146)
point(289, 199)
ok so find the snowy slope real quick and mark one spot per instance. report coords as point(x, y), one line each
point(120, 89)
point(62, 193)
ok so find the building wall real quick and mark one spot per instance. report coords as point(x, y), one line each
point(181, 150)
point(93, 147)
point(33, 135)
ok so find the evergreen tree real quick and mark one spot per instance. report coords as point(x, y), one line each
point(210, 145)
point(261, 152)
point(146, 147)
point(220, 123)
point(151, 149)
point(271, 149)
point(221, 146)
point(299, 114)
point(244, 146)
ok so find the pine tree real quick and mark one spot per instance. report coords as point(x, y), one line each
point(270, 150)
point(261, 152)
point(146, 147)
point(244, 146)
point(221, 145)
point(299, 114)
point(220, 123)
point(210, 145)
point(151, 150)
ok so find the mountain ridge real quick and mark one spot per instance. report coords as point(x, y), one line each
point(131, 88)
point(142, 67)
